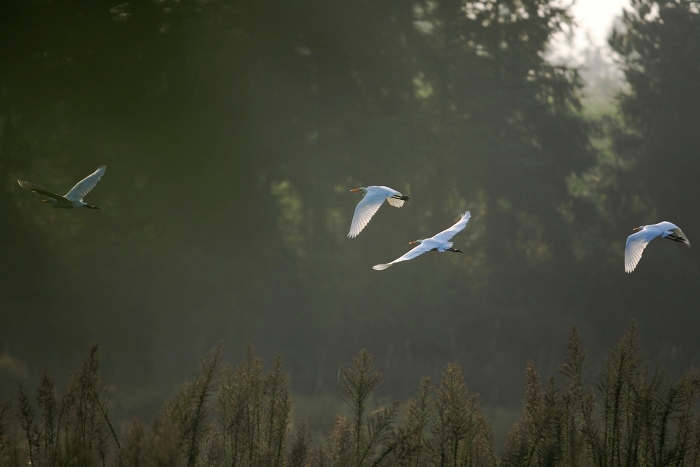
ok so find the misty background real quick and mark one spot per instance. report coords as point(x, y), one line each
point(233, 130)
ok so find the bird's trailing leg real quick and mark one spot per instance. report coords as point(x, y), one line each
point(676, 238)
point(454, 250)
point(91, 207)
point(402, 197)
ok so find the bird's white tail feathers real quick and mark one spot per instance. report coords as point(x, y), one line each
point(381, 267)
point(679, 233)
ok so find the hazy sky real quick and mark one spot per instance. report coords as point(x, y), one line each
point(595, 17)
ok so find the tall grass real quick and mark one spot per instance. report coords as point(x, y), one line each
point(73, 430)
point(633, 417)
point(242, 416)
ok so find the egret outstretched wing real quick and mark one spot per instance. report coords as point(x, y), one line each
point(38, 189)
point(417, 251)
point(636, 243)
point(447, 234)
point(366, 208)
point(83, 187)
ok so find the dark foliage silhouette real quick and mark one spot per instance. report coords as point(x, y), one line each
point(632, 416)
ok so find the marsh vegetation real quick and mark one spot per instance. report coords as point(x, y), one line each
point(628, 414)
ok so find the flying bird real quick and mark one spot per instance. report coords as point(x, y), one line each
point(373, 199)
point(440, 242)
point(646, 233)
point(72, 199)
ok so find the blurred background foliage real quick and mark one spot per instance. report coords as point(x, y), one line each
point(233, 130)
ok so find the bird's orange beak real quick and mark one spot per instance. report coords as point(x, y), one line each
point(412, 243)
point(636, 229)
point(355, 189)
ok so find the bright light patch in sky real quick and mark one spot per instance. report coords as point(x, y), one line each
point(595, 19)
point(586, 47)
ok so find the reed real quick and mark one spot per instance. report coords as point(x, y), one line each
point(242, 416)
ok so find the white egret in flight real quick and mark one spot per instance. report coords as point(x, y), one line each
point(440, 242)
point(72, 199)
point(374, 197)
point(646, 233)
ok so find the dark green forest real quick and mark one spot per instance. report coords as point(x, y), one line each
point(233, 130)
